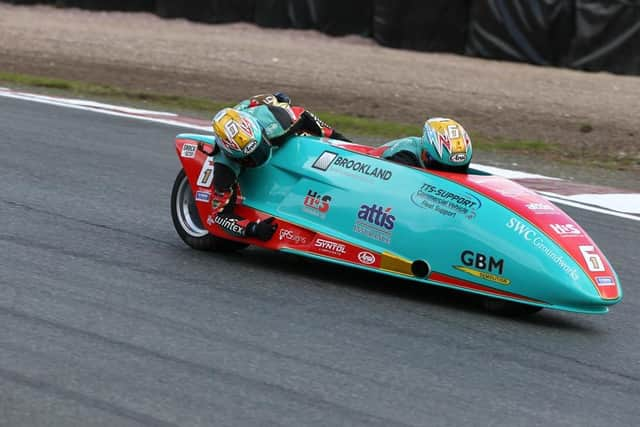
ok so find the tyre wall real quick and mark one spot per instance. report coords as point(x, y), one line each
point(435, 25)
point(208, 11)
point(594, 35)
point(538, 32)
point(124, 5)
point(607, 36)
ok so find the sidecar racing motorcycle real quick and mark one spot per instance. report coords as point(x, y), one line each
point(474, 232)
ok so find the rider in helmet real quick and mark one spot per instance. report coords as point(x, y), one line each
point(306, 121)
point(444, 145)
point(245, 137)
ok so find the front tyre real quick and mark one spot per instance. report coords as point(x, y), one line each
point(186, 220)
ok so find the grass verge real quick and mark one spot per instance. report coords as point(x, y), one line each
point(78, 88)
point(202, 107)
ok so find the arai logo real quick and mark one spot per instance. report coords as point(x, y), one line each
point(250, 147)
point(458, 157)
point(366, 258)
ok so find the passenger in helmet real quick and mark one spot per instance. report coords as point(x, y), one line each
point(245, 138)
point(444, 145)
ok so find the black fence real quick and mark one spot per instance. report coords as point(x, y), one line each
point(583, 34)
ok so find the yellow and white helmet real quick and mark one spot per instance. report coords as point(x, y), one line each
point(445, 142)
point(239, 136)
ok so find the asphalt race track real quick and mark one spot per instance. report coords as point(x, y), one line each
point(107, 318)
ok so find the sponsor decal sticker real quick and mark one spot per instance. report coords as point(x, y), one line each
point(531, 235)
point(331, 247)
point(329, 159)
point(189, 151)
point(205, 179)
point(366, 258)
point(566, 230)
point(445, 202)
point(514, 193)
point(483, 275)
point(203, 196)
point(458, 157)
point(605, 281)
point(316, 204)
point(540, 208)
point(292, 236)
point(375, 222)
point(593, 260)
point(482, 266)
point(229, 225)
point(324, 161)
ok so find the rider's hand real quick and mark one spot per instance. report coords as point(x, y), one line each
point(262, 230)
point(220, 200)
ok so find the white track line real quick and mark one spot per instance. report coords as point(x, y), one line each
point(619, 205)
point(77, 105)
point(511, 174)
point(556, 198)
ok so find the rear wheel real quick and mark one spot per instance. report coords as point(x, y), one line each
point(186, 220)
point(508, 308)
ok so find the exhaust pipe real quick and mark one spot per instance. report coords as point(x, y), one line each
point(420, 268)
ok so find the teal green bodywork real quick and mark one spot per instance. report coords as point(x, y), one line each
point(548, 276)
point(412, 144)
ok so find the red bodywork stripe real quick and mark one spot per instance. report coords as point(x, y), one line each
point(459, 283)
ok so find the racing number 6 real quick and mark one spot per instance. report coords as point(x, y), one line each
point(453, 132)
point(231, 128)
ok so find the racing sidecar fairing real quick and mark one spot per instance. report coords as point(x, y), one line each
point(474, 232)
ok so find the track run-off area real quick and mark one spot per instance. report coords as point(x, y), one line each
point(109, 319)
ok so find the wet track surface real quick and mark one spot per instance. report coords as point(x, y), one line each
point(107, 318)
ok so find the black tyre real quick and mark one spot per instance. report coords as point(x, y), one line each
point(187, 222)
point(508, 308)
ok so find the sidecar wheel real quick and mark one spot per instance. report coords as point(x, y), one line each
point(186, 220)
point(508, 308)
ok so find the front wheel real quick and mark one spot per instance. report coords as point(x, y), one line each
point(186, 220)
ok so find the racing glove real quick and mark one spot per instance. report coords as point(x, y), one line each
point(262, 230)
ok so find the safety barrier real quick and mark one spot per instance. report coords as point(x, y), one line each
point(583, 34)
